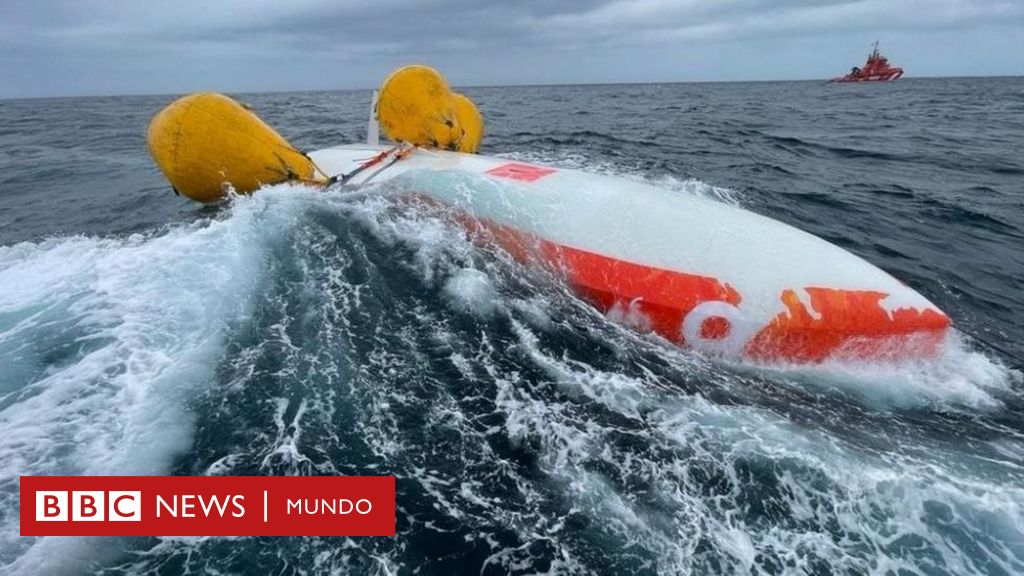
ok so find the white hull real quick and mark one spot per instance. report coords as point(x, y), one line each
point(710, 275)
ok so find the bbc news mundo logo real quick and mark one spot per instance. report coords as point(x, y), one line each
point(207, 505)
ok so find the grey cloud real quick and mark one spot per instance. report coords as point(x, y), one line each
point(105, 46)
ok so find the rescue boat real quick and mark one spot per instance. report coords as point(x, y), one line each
point(698, 272)
point(876, 69)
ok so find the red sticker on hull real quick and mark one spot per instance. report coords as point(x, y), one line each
point(521, 172)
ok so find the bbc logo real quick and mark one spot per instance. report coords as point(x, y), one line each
point(89, 506)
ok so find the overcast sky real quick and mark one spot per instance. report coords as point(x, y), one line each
point(79, 47)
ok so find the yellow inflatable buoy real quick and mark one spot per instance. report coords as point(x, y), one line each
point(471, 122)
point(416, 105)
point(205, 142)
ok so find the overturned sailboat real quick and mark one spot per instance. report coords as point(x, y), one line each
point(700, 273)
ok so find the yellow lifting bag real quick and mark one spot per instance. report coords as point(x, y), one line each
point(472, 123)
point(205, 142)
point(415, 105)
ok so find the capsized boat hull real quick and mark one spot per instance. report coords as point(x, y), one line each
point(699, 272)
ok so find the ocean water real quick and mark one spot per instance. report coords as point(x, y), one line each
point(297, 332)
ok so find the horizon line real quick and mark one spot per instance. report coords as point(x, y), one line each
point(461, 86)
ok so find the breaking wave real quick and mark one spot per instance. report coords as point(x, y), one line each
point(295, 332)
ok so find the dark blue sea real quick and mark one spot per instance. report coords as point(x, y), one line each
point(297, 332)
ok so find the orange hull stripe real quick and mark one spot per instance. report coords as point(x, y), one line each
point(845, 323)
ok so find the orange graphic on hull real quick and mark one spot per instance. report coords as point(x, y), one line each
point(705, 312)
point(847, 324)
point(664, 297)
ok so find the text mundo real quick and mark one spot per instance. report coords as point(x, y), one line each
point(239, 506)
